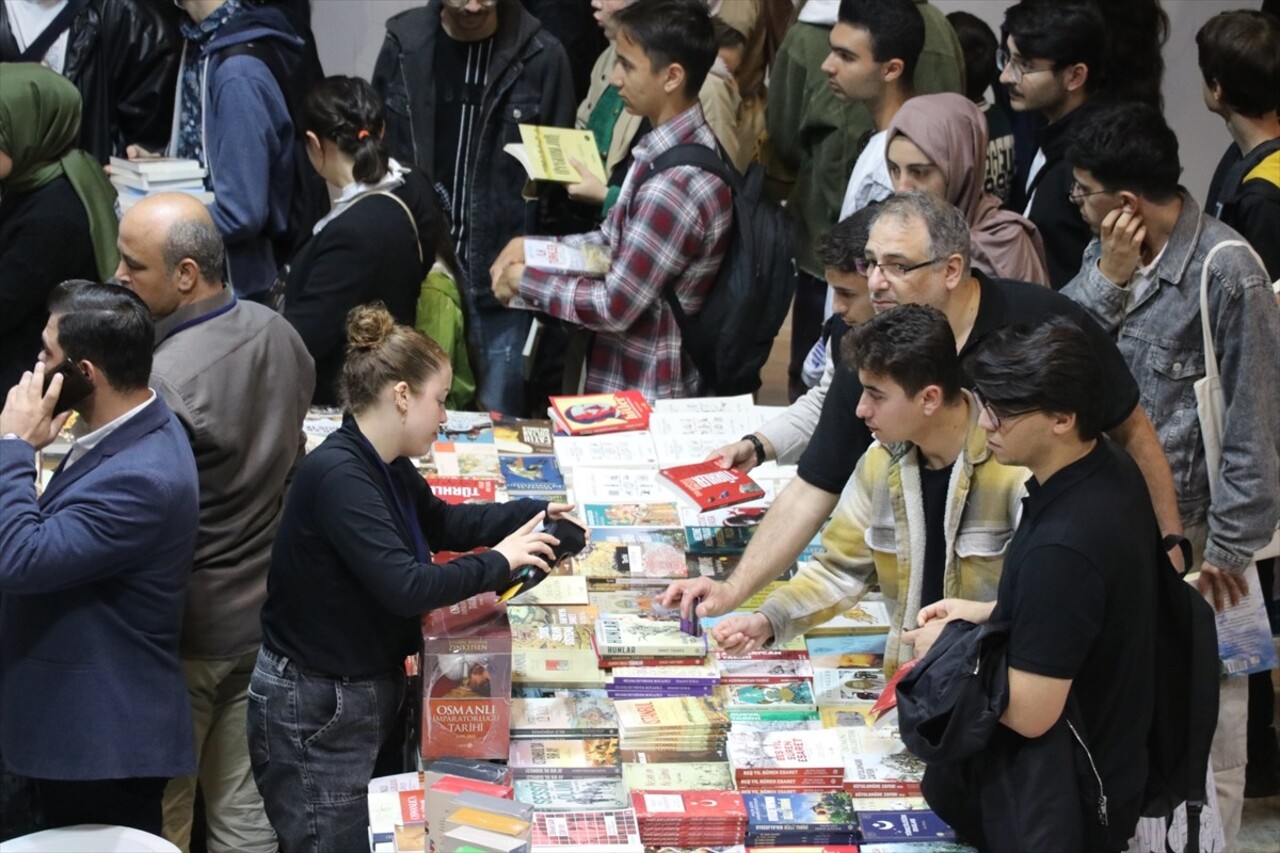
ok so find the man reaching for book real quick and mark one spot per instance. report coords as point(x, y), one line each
point(931, 510)
point(671, 233)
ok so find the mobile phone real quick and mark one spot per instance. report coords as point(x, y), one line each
point(76, 385)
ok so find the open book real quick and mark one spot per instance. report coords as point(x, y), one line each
point(545, 151)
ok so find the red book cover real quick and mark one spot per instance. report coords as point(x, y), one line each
point(726, 806)
point(591, 414)
point(466, 680)
point(463, 490)
point(710, 487)
point(889, 694)
point(458, 784)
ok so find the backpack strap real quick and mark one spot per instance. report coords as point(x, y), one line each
point(700, 157)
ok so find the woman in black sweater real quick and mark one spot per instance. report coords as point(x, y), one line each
point(351, 575)
point(370, 246)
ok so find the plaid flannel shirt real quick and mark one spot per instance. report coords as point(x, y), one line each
point(676, 229)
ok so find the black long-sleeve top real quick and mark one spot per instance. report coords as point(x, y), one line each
point(349, 579)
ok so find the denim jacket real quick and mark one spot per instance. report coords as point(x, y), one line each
point(1160, 337)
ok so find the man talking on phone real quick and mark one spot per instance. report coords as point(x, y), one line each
point(93, 572)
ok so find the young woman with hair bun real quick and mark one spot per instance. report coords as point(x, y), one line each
point(351, 575)
point(384, 234)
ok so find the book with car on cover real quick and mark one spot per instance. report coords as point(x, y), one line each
point(708, 486)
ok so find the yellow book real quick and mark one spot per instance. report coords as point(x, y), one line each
point(486, 820)
point(545, 151)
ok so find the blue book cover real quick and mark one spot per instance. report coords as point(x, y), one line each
point(788, 813)
point(922, 825)
point(534, 473)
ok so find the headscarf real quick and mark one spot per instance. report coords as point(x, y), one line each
point(952, 133)
point(39, 126)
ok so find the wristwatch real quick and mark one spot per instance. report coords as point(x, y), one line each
point(757, 444)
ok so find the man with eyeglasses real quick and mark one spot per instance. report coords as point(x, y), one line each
point(929, 511)
point(1078, 596)
point(1141, 280)
point(1051, 63)
point(918, 252)
point(458, 78)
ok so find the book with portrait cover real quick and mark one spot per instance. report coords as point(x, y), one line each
point(466, 680)
point(592, 414)
point(708, 486)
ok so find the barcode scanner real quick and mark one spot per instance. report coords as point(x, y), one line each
point(572, 540)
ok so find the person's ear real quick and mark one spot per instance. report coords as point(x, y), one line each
point(1130, 202)
point(673, 78)
point(930, 399)
point(1075, 76)
point(954, 271)
point(892, 70)
point(187, 275)
point(313, 143)
point(1063, 422)
point(90, 371)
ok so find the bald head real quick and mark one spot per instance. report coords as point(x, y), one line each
point(171, 253)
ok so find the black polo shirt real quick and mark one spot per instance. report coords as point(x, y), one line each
point(1078, 592)
point(841, 437)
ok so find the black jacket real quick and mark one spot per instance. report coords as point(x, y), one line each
point(44, 240)
point(1245, 194)
point(1063, 229)
point(347, 589)
point(529, 83)
point(123, 57)
point(1000, 791)
point(367, 253)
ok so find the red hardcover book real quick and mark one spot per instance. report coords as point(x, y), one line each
point(726, 806)
point(466, 680)
point(710, 487)
point(591, 414)
point(463, 490)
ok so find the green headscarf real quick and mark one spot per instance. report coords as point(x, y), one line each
point(39, 125)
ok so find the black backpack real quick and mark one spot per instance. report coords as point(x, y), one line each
point(730, 337)
point(1186, 708)
point(308, 197)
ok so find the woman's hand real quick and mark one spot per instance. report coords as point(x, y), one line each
point(529, 546)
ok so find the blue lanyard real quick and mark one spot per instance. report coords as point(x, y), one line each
point(204, 318)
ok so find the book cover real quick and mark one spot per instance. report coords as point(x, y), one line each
point(878, 775)
point(453, 459)
point(682, 776)
point(587, 259)
point(521, 615)
point(544, 153)
point(608, 450)
point(1245, 644)
point(860, 651)
point(680, 713)
point(725, 539)
point(612, 559)
point(563, 717)
point(785, 812)
point(554, 590)
point(564, 759)
point(482, 819)
point(697, 675)
point(466, 678)
point(708, 486)
point(521, 436)
point(847, 686)
point(550, 668)
point(560, 795)
point(531, 474)
point(463, 490)
point(586, 832)
point(768, 671)
point(821, 751)
point(630, 634)
point(702, 806)
point(160, 168)
point(591, 414)
point(531, 636)
point(914, 847)
point(473, 839)
point(867, 617)
point(631, 514)
point(795, 695)
point(923, 825)
point(645, 755)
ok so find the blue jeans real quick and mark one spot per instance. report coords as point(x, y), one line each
point(313, 742)
point(497, 338)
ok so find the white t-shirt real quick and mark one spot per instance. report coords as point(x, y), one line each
point(869, 180)
point(29, 18)
point(1036, 165)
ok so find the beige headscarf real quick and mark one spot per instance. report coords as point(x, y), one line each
point(951, 132)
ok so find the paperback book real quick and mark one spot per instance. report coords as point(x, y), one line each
point(466, 680)
point(562, 717)
point(591, 414)
point(708, 486)
point(564, 759)
point(586, 832)
point(567, 795)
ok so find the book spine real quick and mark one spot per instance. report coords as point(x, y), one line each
point(884, 788)
point(796, 827)
point(795, 774)
point(566, 773)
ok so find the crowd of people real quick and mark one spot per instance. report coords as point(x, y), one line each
point(996, 338)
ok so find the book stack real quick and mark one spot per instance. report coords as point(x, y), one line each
point(639, 682)
point(396, 806)
point(474, 821)
point(134, 180)
point(592, 758)
point(586, 832)
point(673, 743)
point(466, 680)
point(789, 818)
point(690, 818)
point(883, 774)
point(526, 458)
point(808, 761)
point(624, 639)
point(771, 701)
point(563, 717)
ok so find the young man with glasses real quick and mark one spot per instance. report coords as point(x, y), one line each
point(1141, 280)
point(930, 511)
point(1051, 63)
point(918, 252)
point(1078, 596)
point(458, 77)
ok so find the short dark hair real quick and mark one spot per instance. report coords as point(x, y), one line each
point(1050, 367)
point(1240, 51)
point(348, 112)
point(914, 346)
point(978, 44)
point(199, 240)
point(1128, 146)
point(844, 244)
point(109, 326)
point(1066, 32)
point(673, 32)
point(727, 36)
point(896, 28)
